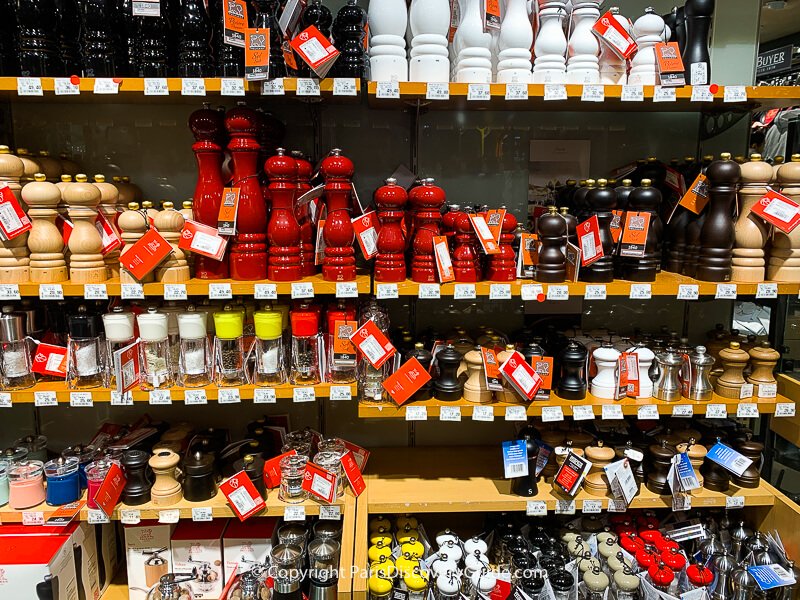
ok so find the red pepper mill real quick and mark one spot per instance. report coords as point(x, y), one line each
point(340, 260)
point(390, 264)
point(503, 265)
point(466, 261)
point(248, 254)
point(208, 126)
point(303, 215)
point(715, 259)
point(283, 231)
point(426, 200)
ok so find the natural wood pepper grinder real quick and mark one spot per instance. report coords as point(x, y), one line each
point(166, 491)
point(47, 263)
point(714, 260)
point(133, 225)
point(169, 223)
point(752, 233)
point(734, 360)
point(30, 163)
point(85, 243)
point(51, 167)
point(13, 253)
point(109, 197)
point(475, 389)
point(784, 256)
point(762, 360)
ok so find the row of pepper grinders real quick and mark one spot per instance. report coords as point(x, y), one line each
point(164, 464)
point(649, 449)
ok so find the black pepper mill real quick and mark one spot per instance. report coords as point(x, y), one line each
point(254, 467)
point(579, 203)
point(264, 15)
point(552, 228)
point(424, 357)
point(602, 200)
point(69, 25)
point(138, 476)
point(194, 32)
point(229, 58)
point(572, 362)
point(36, 35)
point(318, 15)
point(680, 28)
point(572, 224)
point(645, 199)
point(348, 33)
point(199, 482)
point(97, 42)
point(696, 57)
point(715, 477)
point(448, 387)
point(526, 486)
point(752, 474)
point(153, 49)
point(623, 193)
point(714, 259)
point(660, 460)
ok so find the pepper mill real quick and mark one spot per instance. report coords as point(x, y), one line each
point(133, 225)
point(526, 486)
point(137, 485)
point(604, 384)
point(36, 42)
point(303, 215)
point(734, 360)
point(425, 358)
point(572, 361)
point(283, 231)
point(390, 264)
point(762, 360)
point(317, 14)
point(503, 265)
point(85, 243)
point(97, 39)
point(166, 491)
point(697, 455)
point(51, 167)
point(194, 45)
point(697, 386)
point(266, 17)
point(602, 200)
point(552, 229)
point(153, 34)
point(229, 58)
point(109, 197)
point(208, 127)
point(339, 263)
point(448, 387)
point(696, 56)
point(47, 264)
point(714, 259)
point(466, 259)
point(623, 194)
point(715, 477)
point(426, 201)
point(645, 199)
point(348, 31)
point(30, 163)
point(752, 474)
point(645, 358)
point(14, 261)
point(169, 223)
point(572, 224)
point(660, 460)
point(784, 254)
point(475, 389)
point(751, 232)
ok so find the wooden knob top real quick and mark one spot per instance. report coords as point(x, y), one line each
point(81, 193)
point(132, 220)
point(756, 171)
point(109, 194)
point(734, 353)
point(41, 192)
point(11, 167)
point(765, 353)
point(164, 459)
point(169, 219)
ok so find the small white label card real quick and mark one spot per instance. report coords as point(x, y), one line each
point(593, 93)
point(464, 291)
point(32, 517)
point(612, 412)
point(387, 89)
point(785, 409)
point(516, 91)
point(266, 291)
point(130, 516)
point(416, 413)
point(229, 396)
point(294, 513)
point(303, 394)
point(175, 291)
point(29, 86)
point(220, 291)
point(345, 86)
point(307, 87)
point(558, 292)
point(273, 87)
point(104, 85)
point(530, 292)
point(132, 291)
point(51, 291)
point(63, 86)
point(768, 390)
point(172, 515)
point(45, 399)
point(483, 413)
point(592, 507)
point(450, 413)
point(81, 399)
point(716, 411)
point(582, 412)
point(516, 413)
point(429, 291)
point(565, 507)
point(746, 391)
point(160, 397)
point(156, 86)
point(688, 292)
point(649, 412)
point(747, 411)
point(346, 289)
point(9, 291)
point(330, 513)
point(202, 514)
point(632, 93)
point(595, 292)
point(193, 87)
point(387, 291)
point(95, 291)
point(734, 501)
point(97, 517)
point(480, 92)
point(641, 291)
point(5, 400)
point(437, 91)
point(231, 87)
point(500, 291)
point(195, 397)
point(682, 410)
point(735, 93)
point(767, 290)
point(341, 392)
point(552, 414)
point(302, 289)
point(264, 396)
point(555, 91)
point(702, 93)
point(536, 508)
point(726, 291)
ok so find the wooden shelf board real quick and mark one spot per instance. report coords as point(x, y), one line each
point(470, 479)
point(666, 284)
point(788, 427)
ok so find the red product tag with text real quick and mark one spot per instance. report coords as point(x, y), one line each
point(146, 254)
point(352, 470)
point(622, 375)
point(521, 375)
point(589, 241)
point(543, 365)
point(485, 235)
point(108, 493)
point(778, 210)
point(202, 239)
point(13, 220)
point(403, 383)
point(242, 495)
point(315, 49)
point(366, 228)
point(613, 34)
point(361, 455)
point(674, 180)
point(50, 360)
point(272, 469)
point(616, 224)
point(494, 220)
point(444, 264)
point(633, 373)
point(319, 483)
point(111, 239)
point(373, 344)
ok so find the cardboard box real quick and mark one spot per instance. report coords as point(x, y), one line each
point(47, 565)
point(246, 543)
point(147, 547)
point(197, 548)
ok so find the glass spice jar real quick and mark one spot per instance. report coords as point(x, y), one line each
point(155, 350)
point(270, 358)
point(305, 346)
point(119, 328)
point(293, 469)
point(63, 481)
point(229, 368)
point(86, 352)
point(331, 462)
point(15, 360)
point(193, 355)
point(26, 484)
point(36, 445)
point(95, 476)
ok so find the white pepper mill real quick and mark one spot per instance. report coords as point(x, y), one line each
point(193, 361)
point(155, 352)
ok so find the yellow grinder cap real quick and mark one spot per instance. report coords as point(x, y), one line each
point(268, 325)
point(229, 324)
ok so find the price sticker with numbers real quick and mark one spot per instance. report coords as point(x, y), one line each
point(558, 292)
point(346, 289)
point(702, 93)
point(273, 87)
point(121, 399)
point(5, 400)
point(416, 413)
point(32, 518)
point(264, 396)
point(648, 412)
point(531, 292)
point(664, 94)
point(341, 392)
point(552, 414)
point(220, 291)
point(95, 291)
point(330, 513)
point(632, 93)
point(785, 409)
point(132, 291)
point(193, 87)
point(726, 291)
point(105, 85)
point(516, 413)
point(303, 394)
point(229, 396)
point(302, 289)
point(565, 507)
point(387, 89)
point(29, 86)
point(555, 91)
point(593, 93)
point(767, 390)
point(266, 291)
point(592, 507)
point(516, 91)
point(735, 93)
point(45, 399)
point(51, 291)
point(450, 413)
point(81, 399)
point(170, 516)
point(536, 508)
point(688, 292)
point(294, 513)
point(231, 87)
point(716, 411)
point(195, 397)
point(63, 86)
point(500, 291)
point(464, 291)
point(387, 291)
point(202, 514)
point(437, 91)
point(429, 291)
point(734, 501)
point(307, 87)
point(747, 411)
point(344, 86)
point(583, 413)
point(641, 291)
point(767, 290)
point(97, 517)
point(479, 92)
point(160, 397)
point(483, 413)
point(175, 291)
point(156, 86)
point(682, 410)
point(611, 412)
point(130, 516)
point(9, 291)
point(746, 391)
point(595, 292)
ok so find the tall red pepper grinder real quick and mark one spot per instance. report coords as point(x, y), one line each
point(390, 264)
point(426, 200)
point(340, 260)
point(248, 254)
point(503, 265)
point(208, 126)
point(283, 230)
point(303, 215)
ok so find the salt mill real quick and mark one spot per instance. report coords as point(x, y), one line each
point(85, 350)
point(155, 350)
point(194, 355)
point(15, 359)
point(229, 367)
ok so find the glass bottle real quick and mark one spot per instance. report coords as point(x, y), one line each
point(331, 462)
point(292, 470)
point(63, 481)
point(305, 346)
point(154, 333)
point(229, 349)
point(95, 476)
point(370, 379)
point(270, 361)
point(15, 360)
point(86, 355)
point(193, 359)
point(26, 484)
point(118, 326)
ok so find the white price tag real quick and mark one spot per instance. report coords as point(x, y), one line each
point(632, 93)
point(734, 502)
point(664, 94)
point(175, 291)
point(5, 400)
point(51, 291)
point(160, 397)
point(479, 92)
point(582, 413)
point(450, 413)
point(437, 91)
point(767, 290)
point(726, 291)
point(641, 291)
point(785, 409)
point(193, 87)
point(97, 517)
point(464, 291)
point(346, 289)
point(307, 87)
point(565, 507)
point(302, 289)
point(649, 412)
point(682, 410)
point(500, 291)
point(747, 411)
point(344, 86)
point(95, 291)
point(81, 399)
point(294, 513)
point(552, 414)
point(330, 513)
point(387, 89)
point(595, 292)
point(387, 291)
point(716, 411)
point(768, 390)
point(558, 292)
point(530, 292)
point(45, 399)
point(617, 505)
point(264, 396)
point(202, 514)
point(130, 516)
point(688, 292)
point(303, 394)
point(735, 93)
point(516, 91)
point(63, 86)
point(32, 517)
point(515, 413)
point(132, 291)
point(104, 85)
point(341, 392)
point(429, 291)
point(273, 87)
point(416, 413)
point(483, 413)
point(536, 508)
point(229, 396)
point(702, 93)
point(219, 291)
point(266, 291)
point(611, 412)
point(746, 391)
point(156, 86)
point(195, 397)
point(593, 93)
point(9, 291)
point(231, 87)
point(29, 86)
point(681, 503)
point(172, 515)
point(592, 507)
point(555, 91)
point(121, 399)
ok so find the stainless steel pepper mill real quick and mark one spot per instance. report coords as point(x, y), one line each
point(743, 583)
point(700, 364)
point(723, 565)
point(668, 385)
point(739, 535)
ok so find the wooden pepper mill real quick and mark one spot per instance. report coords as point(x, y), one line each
point(109, 197)
point(51, 167)
point(784, 257)
point(734, 360)
point(85, 243)
point(31, 165)
point(169, 223)
point(475, 389)
point(714, 259)
point(697, 456)
point(47, 263)
point(166, 491)
point(133, 225)
point(752, 233)
point(762, 360)
point(13, 253)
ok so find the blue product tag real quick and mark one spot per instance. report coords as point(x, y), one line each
point(729, 458)
point(515, 459)
point(686, 474)
point(541, 460)
point(771, 576)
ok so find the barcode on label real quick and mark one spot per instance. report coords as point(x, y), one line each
point(516, 468)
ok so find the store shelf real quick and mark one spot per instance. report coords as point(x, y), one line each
point(470, 479)
point(102, 395)
point(666, 284)
point(630, 406)
point(788, 428)
point(118, 589)
point(412, 93)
